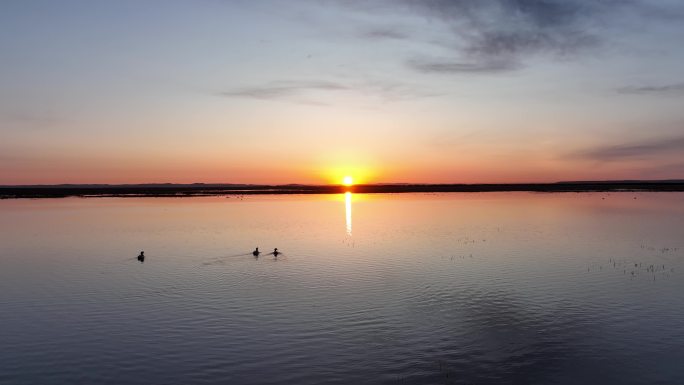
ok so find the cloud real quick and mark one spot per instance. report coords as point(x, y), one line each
point(444, 66)
point(32, 120)
point(498, 27)
point(665, 171)
point(668, 89)
point(632, 151)
point(282, 89)
point(385, 33)
point(393, 91)
point(503, 35)
point(500, 35)
point(300, 92)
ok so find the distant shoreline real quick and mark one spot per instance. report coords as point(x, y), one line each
point(190, 190)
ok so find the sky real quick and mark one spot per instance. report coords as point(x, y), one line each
point(386, 91)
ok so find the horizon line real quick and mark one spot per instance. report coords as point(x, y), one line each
point(670, 180)
point(200, 189)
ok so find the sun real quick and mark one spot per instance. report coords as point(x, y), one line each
point(347, 180)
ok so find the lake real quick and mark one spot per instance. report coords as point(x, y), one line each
point(455, 288)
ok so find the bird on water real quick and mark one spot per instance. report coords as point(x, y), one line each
point(255, 252)
point(275, 252)
point(141, 257)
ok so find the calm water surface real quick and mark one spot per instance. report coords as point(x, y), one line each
point(510, 288)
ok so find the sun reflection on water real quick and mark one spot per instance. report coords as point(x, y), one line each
point(348, 211)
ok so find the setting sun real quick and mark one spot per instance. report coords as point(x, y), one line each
point(347, 180)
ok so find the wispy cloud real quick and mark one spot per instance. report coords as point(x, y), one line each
point(282, 89)
point(634, 151)
point(395, 91)
point(677, 88)
point(385, 33)
point(444, 66)
point(34, 120)
point(667, 170)
point(309, 92)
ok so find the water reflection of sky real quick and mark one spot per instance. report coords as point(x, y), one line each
point(488, 288)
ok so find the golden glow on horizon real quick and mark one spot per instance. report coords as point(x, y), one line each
point(348, 175)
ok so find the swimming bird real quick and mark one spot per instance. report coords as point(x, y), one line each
point(275, 252)
point(255, 252)
point(141, 257)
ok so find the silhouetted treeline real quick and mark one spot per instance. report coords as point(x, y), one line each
point(182, 190)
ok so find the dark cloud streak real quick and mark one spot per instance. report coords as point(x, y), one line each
point(281, 89)
point(631, 151)
point(443, 66)
point(384, 34)
point(677, 89)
